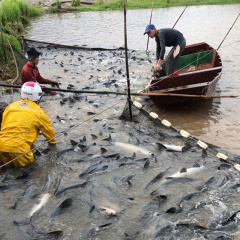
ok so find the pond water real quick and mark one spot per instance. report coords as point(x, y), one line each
point(102, 162)
point(214, 121)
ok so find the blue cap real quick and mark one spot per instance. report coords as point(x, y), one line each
point(148, 28)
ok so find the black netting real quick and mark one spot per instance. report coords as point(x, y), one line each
point(21, 61)
point(126, 112)
point(138, 115)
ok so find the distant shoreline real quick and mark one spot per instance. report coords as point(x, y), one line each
point(106, 5)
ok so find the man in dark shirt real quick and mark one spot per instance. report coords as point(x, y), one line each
point(166, 37)
point(31, 73)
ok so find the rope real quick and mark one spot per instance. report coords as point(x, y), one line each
point(190, 137)
point(150, 23)
point(73, 47)
point(59, 135)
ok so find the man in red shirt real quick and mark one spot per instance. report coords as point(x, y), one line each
point(31, 73)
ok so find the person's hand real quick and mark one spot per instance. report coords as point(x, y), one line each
point(55, 83)
point(157, 67)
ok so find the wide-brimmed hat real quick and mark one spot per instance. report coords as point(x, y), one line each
point(33, 53)
point(148, 28)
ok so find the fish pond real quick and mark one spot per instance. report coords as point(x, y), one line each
point(111, 178)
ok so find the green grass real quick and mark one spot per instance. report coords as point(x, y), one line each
point(14, 15)
point(4, 47)
point(138, 4)
point(76, 3)
point(16, 12)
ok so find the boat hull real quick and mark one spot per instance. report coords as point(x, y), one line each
point(201, 81)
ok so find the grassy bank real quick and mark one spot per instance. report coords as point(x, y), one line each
point(14, 16)
point(138, 4)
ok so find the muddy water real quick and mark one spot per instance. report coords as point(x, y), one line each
point(216, 121)
point(112, 174)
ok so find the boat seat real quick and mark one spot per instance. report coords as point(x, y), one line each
point(201, 70)
point(180, 88)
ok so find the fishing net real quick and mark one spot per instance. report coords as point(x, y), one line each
point(20, 61)
point(126, 112)
point(140, 115)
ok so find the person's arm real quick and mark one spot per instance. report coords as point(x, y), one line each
point(162, 45)
point(158, 48)
point(46, 128)
point(40, 79)
point(158, 61)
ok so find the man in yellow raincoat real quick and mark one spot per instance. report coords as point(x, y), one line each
point(21, 123)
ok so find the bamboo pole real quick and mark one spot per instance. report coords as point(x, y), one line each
point(15, 63)
point(126, 60)
point(179, 17)
point(126, 93)
point(150, 23)
point(228, 32)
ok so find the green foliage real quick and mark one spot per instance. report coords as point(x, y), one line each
point(53, 9)
point(14, 29)
point(13, 41)
point(13, 15)
point(58, 4)
point(5, 48)
point(12, 11)
point(34, 12)
point(9, 12)
point(76, 3)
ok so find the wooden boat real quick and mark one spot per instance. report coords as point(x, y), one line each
point(198, 70)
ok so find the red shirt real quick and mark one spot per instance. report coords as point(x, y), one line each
point(32, 74)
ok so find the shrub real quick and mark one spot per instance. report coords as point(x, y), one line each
point(58, 4)
point(34, 12)
point(76, 3)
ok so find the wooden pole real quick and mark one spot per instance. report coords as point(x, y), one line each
point(126, 93)
point(126, 60)
point(179, 17)
point(228, 32)
point(150, 23)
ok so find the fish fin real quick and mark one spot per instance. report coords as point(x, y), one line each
point(183, 170)
point(172, 210)
point(56, 211)
point(129, 183)
point(195, 165)
point(73, 142)
point(160, 145)
point(186, 147)
point(103, 150)
point(138, 142)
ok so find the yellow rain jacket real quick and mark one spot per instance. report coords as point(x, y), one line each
point(21, 123)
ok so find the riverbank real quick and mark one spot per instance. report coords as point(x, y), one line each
point(105, 5)
point(14, 17)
